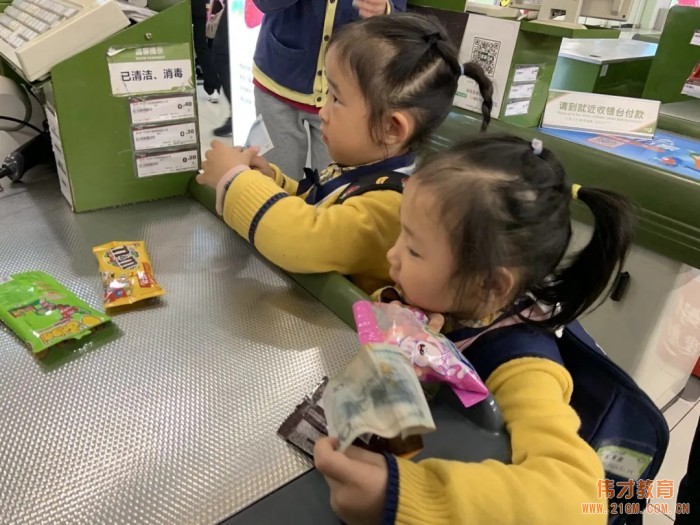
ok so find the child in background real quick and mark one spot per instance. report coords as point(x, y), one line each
point(484, 229)
point(392, 82)
point(289, 76)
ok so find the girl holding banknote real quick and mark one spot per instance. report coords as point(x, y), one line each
point(484, 229)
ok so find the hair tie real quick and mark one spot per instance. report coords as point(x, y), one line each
point(432, 38)
point(575, 188)
point(537, 146)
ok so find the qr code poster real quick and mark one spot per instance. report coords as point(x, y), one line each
point(490, 42)
point(485, 53)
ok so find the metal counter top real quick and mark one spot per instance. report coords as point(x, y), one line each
point(606, 50)
point(170, 415)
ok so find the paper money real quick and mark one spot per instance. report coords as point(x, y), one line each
point(259, 136)
point(378, 393)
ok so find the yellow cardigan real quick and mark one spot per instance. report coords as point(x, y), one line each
point(351, 238)
point(553, 472)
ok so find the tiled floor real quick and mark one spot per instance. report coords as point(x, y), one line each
point(682, 418)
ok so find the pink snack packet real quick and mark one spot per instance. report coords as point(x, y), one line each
point(434, 357)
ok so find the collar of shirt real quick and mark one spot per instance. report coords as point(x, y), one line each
point(335, 177)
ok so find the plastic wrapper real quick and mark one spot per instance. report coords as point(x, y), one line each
point(127, 274)
point(434, 357)
point(43, 313)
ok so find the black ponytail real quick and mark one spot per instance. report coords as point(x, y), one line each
point(576, 287)
point(476, 73)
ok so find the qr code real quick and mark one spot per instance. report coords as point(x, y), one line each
point(485, 53)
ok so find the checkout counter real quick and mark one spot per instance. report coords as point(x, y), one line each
point(170, 414)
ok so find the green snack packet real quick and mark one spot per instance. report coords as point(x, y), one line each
point(43, 313)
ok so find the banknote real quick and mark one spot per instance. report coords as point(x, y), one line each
point(259, 136)
point(379, 394)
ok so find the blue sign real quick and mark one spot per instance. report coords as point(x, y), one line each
point(673, 153)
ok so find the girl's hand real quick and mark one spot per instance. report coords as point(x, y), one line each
point(260, 163)
point(436, 321)
point(368, 8)
point(357, 479)
point(220, 159)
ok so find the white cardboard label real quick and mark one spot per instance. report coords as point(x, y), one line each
point(695, 41)
point(165, 136)
point(161, 109)
point(58, 151)
point(526, 73)
point(64, 182)
point(133, 78)
point(623, 462)
point(53, 121)
point(691, 89)
point(165, 163)
point(517, 107)
point(601, 114)
point(521, 91)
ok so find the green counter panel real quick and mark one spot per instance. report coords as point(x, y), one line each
point(681, 117)
point(533, 48)
point(652, 38)
point(675, 57)
point(669, 220)
point(95, 126)
point(568, 32)
point(623, 79)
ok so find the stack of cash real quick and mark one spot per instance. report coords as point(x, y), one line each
point(378, 394)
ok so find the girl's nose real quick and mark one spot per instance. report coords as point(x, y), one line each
point(392, 258)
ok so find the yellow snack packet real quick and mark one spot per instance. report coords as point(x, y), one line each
point(127, 274)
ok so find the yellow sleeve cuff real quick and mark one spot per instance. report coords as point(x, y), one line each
point(552, 474)
point(245, 199)
point(286, 183)
point(423, 496)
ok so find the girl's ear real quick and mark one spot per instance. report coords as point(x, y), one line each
point(498, 290)
point(399, 128)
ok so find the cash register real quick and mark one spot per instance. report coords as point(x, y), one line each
point(35, 35)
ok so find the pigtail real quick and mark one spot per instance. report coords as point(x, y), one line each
point(476, 73)
point(577, 287)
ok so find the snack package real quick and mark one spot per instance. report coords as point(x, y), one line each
point(43, 313)
point(307, 424)
point(127, 274)
point(434, 357)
